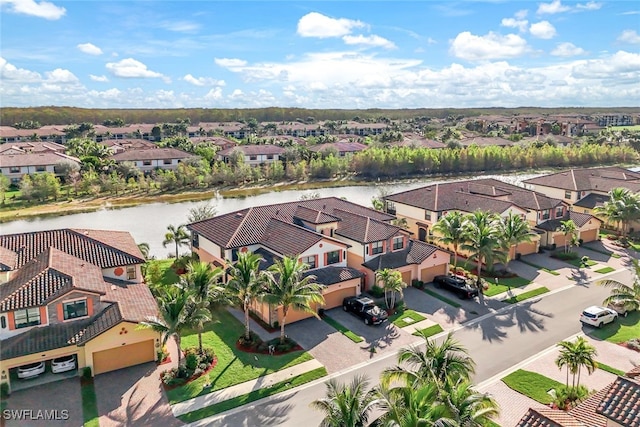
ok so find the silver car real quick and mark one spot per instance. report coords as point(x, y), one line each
point(619, 307)
point(63, 364)
point(31, 370)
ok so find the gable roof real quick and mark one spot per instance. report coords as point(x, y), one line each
point(578, 218)
point(44, 158)
point(331, 275)
point(363, 229)
point(288, 239)
point(414, 253)
point(314, 216)
point(547, 417)
point(591, 179)
point(254, 150)
point(340, 147)
point(151, 154)
point(621, 404)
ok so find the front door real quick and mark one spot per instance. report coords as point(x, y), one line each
point(422, 234)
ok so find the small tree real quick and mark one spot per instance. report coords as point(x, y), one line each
point(391, 284)
point(176, 235)
point(569, 230)
point(246, 284)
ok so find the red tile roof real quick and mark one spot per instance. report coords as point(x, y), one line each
point(151, 154)
point(363, 229)
point(251, 150)
point(45, 158)
point(547, 417)
point(621, 404)
point(592, 179)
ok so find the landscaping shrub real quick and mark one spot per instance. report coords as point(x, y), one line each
point(4, 390)
point(565, 255)
point(86, 373)
point(163, 353)
point(376, 291)
point(634, 344)
point(568, 397)
point(196, 364)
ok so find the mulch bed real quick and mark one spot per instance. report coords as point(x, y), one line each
point(252, 349)
point(193, 378)
point(625, 345)
point(165, 361)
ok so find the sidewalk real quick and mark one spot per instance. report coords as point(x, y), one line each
point(244, 388)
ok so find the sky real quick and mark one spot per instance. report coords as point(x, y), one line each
point(319, 54)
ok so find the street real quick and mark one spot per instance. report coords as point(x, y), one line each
point(496, 342)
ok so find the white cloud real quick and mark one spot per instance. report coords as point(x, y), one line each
point(230, 62)
point(202, 81)
point(61, 76)
point(592, 5)
point(629, 36)
point(521, 14)
point(89, 49)
point(542, 30)
point(552, 8)
point(180, 26)
point(20, 75)
point(130, 68)
point(372, 40)
point(214, 94)
point(567, 49)
point(492, 46)
point(101, 79)
point(520, 24)
point(43, 9)
point(315, 24)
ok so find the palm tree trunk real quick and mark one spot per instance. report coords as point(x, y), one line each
point(455, 258)
point(200, 340)
point(479, 281)
point(579, 369)
point(284, 319)
point(247, 330)
point(176, 249)
point(179, 349)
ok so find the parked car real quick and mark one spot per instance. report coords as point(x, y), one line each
point(457, 285)
point(619, 307)
point(31, 370)
point(63, 364)
point(365, 309)
point(598, 316)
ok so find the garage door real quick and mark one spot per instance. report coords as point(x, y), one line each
point(334, 299)
point(427, 274)
point(122, 357)
point(526, 248)
point(589, 235)
point(406, 277)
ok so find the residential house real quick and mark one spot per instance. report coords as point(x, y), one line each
point(15, 166)
point(120, 145)
point(485, 141)
point(254, 155)
point(617, 405)
point(30, 147)
point(148, 160)
point(414, 140)
point(343, 243)
point(73, 292)
point(342, 149)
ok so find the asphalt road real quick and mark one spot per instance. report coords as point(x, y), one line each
point(496, 343)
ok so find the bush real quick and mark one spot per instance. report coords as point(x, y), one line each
point(196, 364)
point(86, 373)
point(567, 397)
point(191, 360)
point(377, 291)
point(163, 353)
point(4, 390)
point(634, 344)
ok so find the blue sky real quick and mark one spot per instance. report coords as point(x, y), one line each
point(329, 54)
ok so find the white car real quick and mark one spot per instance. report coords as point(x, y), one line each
point(63, 364)
point(31, 370)
point(598, 316)
point(619, 307)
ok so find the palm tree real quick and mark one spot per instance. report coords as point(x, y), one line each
point(346, 405)
point(246, 284)
point(176, 235)
point(466, 406)
point(481, 239)
point(144, 249)
point(626, 295)
point(622, 207)
point(575, 355)
point(513, 231)
point(412, 405)
point(202, 280)
point(289, 289)
point(450, 231)
point(391, 283)
point(178, 312)
point(568, 229)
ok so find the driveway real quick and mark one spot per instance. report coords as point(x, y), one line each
point(62, 397)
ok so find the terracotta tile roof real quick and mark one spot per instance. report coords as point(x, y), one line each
point(31, 147)
point(288, 239)
point(45, 158)
point(313, 216)
point(486, 141)
point(585, 412)
point(578, 218)
point(340, 147)
point(413, 140)
point(102, 248)
point(134, 300)
point(363, 229)
point(331, 275)
point(621, 404)
point(415, 253)
point(592, 200)
point(108, 318)
point(547, 417)
point(254, 150)
point(592, 179)
point(151, 154)
point(8, 259)
point(246, 227)
point(634, 373)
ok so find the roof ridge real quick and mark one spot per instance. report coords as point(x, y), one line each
point(244, 218)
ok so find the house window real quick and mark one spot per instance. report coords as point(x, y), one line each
point(427, 215)
point(14, 170)
point(74, 309)
point(167, 161)
point(391, 207)
point(253, 157)
point(559, 211)
point(41, 168)
point(131, 272)
point(27, 317)
point(269, 156)
point(146, 162)
point(333, 257)
point(3, 322)
point(398, 243)
point(376, 248)
point(195, 240)
point(309, 260)
point(567, 195)
point(545, 214)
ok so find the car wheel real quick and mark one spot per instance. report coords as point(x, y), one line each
point(344, 307)
point(366, 321)
point(625, 313)
point(599, 325)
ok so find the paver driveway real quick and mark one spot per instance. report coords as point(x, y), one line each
point(60, 395)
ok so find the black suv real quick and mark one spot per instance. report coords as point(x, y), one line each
point(366, 309)
point(456, 284)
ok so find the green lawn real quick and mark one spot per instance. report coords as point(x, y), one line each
point(605, 270)
point(398, 318)
point(233, 366)
point(441, 298)
point(610, 369)
point(89, 405)
point(339, 327)
point(526, 295)
point(621, 330)
point(578, 262)
point(532, 385)
point(504, 284)
point(253, 396)
point(431, 330)
point(166, 275)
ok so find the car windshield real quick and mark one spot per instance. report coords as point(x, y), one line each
point(63, 359)
point(589, 315)
point(31, 365)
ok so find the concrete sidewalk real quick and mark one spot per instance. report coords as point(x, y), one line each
point(243, 388)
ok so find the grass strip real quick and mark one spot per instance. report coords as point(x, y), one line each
point(611, 369)
point(539, 267)
point(343, 330)
point(441, 298)
point(500, 285)
point(490, 423)
point(532, 385)
point(430, 331)
point(605, 270)
point(89, 404)
point(622, 330)
point(526, 295)
point(398, 318)
point(578, 262)
point(261, 393)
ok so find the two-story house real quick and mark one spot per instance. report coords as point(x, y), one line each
point(342, 149)
point(148, 160)
point(254, 155)
point(15, 166)
point(343, 243)
point(73, 292)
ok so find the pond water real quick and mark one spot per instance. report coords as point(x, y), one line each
point(148, 223)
